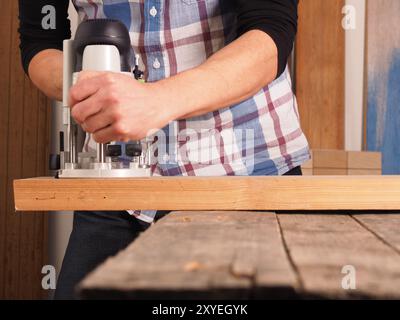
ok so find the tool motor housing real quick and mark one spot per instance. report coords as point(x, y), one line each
point(99, 45)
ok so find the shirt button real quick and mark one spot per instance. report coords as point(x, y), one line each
point(156, 64)
point(153, 11)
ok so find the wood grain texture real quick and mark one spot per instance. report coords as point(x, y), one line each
point(308, 164)
point(218, 193)
point(24, 119)
point(199, 255)
point(241, 255)
point(329, 172)
point(320, 63)
point(385, 226)
point(364, 160)
point(364, 172)
point(321, 245)
point(307, 172)
point(340, 162)
point(5, 56)
point(14, 168)
point(332, 159)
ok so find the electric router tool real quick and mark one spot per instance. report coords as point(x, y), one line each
point(99, 45)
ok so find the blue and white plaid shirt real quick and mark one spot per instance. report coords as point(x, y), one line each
point(260, 136)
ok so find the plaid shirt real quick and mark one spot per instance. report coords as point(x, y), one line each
point(260, 136)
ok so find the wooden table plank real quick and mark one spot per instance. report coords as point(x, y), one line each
point(199, 255)
point(321, 245)
point(210, 193)
point(385, 226)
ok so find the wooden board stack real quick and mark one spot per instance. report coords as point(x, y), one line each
point(342, 163)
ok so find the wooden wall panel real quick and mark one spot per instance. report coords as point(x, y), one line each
point(5, 52)
point(320, 67)
point(24, 114)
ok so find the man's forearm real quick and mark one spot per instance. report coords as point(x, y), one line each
point(230, 76)
point(45, 71)
point(115, 107)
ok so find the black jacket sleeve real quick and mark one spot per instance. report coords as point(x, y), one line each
point(278, 18)
point(33, 38)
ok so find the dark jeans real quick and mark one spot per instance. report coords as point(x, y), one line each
point(95, 237)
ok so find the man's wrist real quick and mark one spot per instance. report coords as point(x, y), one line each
point(184, 94)
point(170, 97)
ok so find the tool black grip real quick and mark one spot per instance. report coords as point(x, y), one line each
point(104, 32)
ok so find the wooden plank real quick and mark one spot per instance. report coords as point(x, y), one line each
point(205, 193)
point(340, 162)
point(321, 245)
point(5, 57)
point(308, 164)
point(329, 172)
point(332, 159)
point(364, 160)
point(385, 226)
point(307, 172)
point(307, 167)
point(199, 255)
point(320, 72)
point(364, 172)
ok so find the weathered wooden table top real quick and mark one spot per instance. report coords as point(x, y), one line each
point(256, 255)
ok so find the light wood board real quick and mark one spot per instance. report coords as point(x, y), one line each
point(205, 193)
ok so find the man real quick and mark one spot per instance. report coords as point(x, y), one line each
point(215, 70)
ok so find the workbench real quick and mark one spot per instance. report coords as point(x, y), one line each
point(242, 237)
point(259, 255)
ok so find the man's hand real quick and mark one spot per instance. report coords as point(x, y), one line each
point(116, 107)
